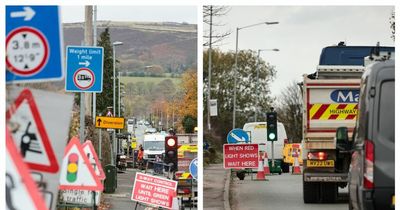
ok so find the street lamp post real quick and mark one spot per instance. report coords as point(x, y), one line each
point(235, 69)
point(257, 83)
point(117, 43)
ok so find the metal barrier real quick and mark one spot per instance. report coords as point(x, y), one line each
point(159, 168)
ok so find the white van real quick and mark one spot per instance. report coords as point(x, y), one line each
point(153, 144)
point(258, 135)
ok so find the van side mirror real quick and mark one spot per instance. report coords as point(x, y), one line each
point(342, 139)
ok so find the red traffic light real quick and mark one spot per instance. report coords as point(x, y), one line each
point(171, 142)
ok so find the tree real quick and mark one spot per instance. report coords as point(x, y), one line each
point(247, 89)
point(105, 98)
point(289, 109)
point(210, 12)
point(188, 104)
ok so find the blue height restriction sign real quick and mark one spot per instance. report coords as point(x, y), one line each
point(84, 69)
point(33, 44)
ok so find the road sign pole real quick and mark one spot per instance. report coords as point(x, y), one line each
point(82, 119)
point(272, 153)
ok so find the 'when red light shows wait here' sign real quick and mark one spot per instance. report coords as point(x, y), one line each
point(240, 156)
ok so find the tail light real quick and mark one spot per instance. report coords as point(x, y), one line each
point(286, 141)
point(317, 155)
point(369, 165)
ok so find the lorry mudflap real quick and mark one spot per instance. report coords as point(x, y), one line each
point(325, 177)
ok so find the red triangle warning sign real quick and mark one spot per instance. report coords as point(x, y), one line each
point(88, 149)
point(21, 190)
point(30, 135)
point(76, 171)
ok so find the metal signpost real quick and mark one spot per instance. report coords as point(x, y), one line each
point(33, 44)
point(237, 135)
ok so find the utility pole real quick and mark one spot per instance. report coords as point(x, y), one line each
point(209, 73)
point(88, 42)
point(94, 44)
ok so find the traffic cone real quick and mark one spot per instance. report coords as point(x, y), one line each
point(260, 170)
point(266, 164)
point(296, 167)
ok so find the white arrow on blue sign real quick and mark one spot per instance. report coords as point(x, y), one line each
point(237, 135)
point(33, 44)
point(84, 69)
point(193, 168)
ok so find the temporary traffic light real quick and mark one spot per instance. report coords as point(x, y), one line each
point(72, 168)
point(171, 152)
point(272, 128)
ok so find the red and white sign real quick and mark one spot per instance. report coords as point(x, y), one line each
point(88, 149)
point(240, 156)
point(27, 51)
point(31, 137)
point(76, 171)
point(21, 190)
point(84, 78)
point(154, 190)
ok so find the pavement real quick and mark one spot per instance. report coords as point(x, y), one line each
point(214, 180)
point(121, 199)
point(278, 192)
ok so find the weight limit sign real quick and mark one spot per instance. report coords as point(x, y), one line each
point(27, 51)
point(84, 78)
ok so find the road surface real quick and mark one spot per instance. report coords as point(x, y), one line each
point(279, 192)
point(213, 189)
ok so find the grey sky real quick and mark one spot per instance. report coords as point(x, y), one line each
point(302, 33)
point(134, 13)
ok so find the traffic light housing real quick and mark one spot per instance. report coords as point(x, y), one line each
point(171, 152)
point(272, 126)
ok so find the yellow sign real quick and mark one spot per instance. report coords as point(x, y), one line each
point(110, 122)
point(333, 111)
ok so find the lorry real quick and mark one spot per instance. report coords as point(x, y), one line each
point(330, 101)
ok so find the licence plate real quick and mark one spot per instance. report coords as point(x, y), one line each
point(320, 163)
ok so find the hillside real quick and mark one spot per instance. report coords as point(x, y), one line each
point(173, 46)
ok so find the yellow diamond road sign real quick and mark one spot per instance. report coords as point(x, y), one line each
point(110, 122)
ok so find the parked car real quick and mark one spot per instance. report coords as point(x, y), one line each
point(371, 172)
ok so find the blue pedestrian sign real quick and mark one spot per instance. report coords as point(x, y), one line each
point(193, 168)
point(84, 69)
point(33, 44)
point(237, 135)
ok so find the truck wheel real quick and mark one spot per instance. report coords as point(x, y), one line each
point(329, 192)
point(241, 174)
point(311, 192)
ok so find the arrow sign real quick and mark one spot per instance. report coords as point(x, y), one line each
point(237, 138)
point(28, 13)
point(99, 122)
point(237, 135)
point(86, 63)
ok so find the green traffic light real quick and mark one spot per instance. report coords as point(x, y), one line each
point(271, 136)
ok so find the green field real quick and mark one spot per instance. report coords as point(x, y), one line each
point(154, 80)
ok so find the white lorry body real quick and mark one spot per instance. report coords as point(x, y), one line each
point(153, 145)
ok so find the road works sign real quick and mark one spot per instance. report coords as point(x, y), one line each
point(240, 156)
point(110, 122)
point(21, 190)
point(76, 171)
point(154, 190)
point(31, 136)
point(84, 69)
point(88, 149)
point(33, 44)
point(237, 135)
